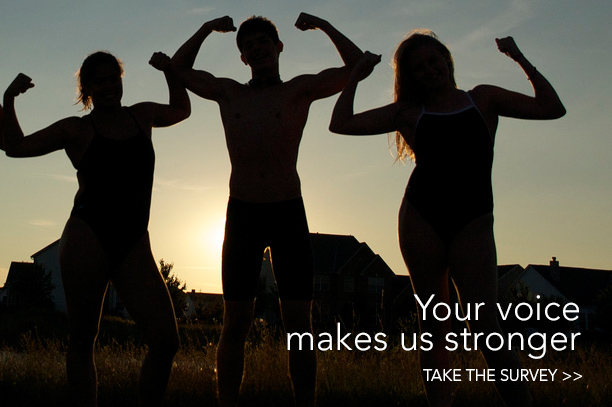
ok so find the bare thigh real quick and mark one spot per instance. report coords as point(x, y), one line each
point(473, 268)
point(425, 255)
point(144, 293)
point(85, 273)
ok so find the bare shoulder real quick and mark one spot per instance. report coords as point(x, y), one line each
point(483, 92)
point(323, 84)
point(485, 96)
point(73, 126)
point(143, 112)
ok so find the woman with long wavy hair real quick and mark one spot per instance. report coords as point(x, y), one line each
point(446, 217)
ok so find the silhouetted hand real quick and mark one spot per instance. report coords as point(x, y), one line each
point(160, 61)
point(19, 85)
point(307, 21)
point(222, 24)
point(366, 65)
point(508, 46)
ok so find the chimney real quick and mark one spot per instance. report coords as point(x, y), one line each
point(554, 270)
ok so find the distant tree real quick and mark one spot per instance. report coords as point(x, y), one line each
point(211, 312)
point(176, 288)
point(32, 288)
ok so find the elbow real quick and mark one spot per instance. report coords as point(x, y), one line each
point(11, 152)
point(185, 114)
point(335, 128)
point(558, 112)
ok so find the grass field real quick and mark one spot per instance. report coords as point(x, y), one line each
point(32, 371)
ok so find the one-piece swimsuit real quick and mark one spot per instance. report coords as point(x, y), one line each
point(450, 185)
point(114, 197)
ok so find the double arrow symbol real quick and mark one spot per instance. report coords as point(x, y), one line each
point(569, 376)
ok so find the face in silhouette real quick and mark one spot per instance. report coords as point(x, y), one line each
point(429, 69)
point(106, 87)
point(260, 52)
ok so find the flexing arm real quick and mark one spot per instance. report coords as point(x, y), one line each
point(376, 121)
point(545, 104)
point(330, 81)
point(179, 106)
point(200, 82)
point(349, 52)
point(15, 143)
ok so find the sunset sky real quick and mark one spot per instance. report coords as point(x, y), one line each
point(552, 180)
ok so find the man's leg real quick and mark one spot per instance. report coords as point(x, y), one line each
point(302, 363)
point(237, 321)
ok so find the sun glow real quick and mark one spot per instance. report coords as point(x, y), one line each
point(211, 237)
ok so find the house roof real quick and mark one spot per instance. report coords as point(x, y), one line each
point(508, 275)
point(205, 297)
point(331, 252)
point(344, 254)
point(16, 270)
point(44, 249)
point(579, 285)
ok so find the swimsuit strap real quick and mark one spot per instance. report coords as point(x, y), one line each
point(135, 121)
point(97, 133)
point(471, 100)
point(469, 106)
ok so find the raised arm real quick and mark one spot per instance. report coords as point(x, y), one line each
point(545, 104)
point(331, 81)
point(42, 142)
point(349, 52)
point(202, 83)
point(375, 121)
point(179, 106)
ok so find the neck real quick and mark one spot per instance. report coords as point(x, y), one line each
point(440, 96)
point(107, 110)
point(264, 81)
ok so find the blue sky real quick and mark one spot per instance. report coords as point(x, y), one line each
point(552, 180)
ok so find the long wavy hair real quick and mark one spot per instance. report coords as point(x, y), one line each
point(405, 89)
point(86, 72)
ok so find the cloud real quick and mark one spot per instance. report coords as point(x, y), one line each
point(517, 12)
point(41, 223)
point(63, 178)
point(201, 10)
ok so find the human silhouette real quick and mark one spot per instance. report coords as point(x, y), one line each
point(263, 122)
point(446, 217)
point(106, 237)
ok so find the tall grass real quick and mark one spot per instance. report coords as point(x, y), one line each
point(32, 373)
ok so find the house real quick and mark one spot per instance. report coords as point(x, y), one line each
point(352, 285)
point(26, 285)
point(564, 284)
point(204, 306)
point(48, 259)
